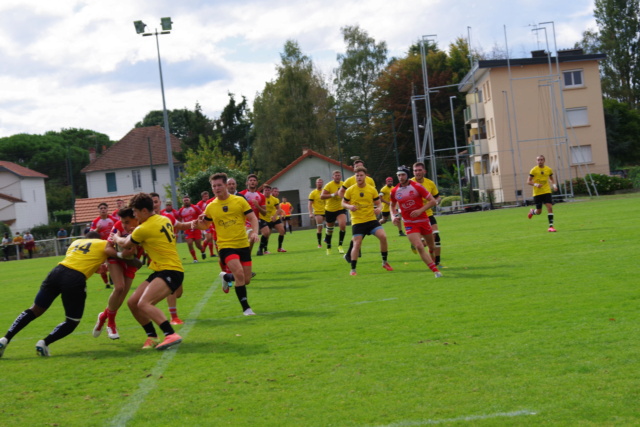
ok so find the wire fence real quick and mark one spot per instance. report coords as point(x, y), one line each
point(42, 248)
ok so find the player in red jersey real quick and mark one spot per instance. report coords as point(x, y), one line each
point(410, 196)
point(122, 273)
point(119, 205)
point(188, 213)
point(256, 200)
point(103, 224)
point(208, 233)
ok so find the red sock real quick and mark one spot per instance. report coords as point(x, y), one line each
point(433, 267)
point(105, 278)
point(174, 312)
point(111, 315)
point(193, 253)
point(104, 314)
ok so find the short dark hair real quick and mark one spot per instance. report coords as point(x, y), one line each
point(218, 175)
point(419, 164)
point(252, 175)
point(126, 213)
point(154, 195)
point(360, 169)
point(92, 235)
point(103, 204)
point(141, 201)
point(204, 192)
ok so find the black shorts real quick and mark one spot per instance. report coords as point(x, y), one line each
point(244, 254)
point(272, 224)
point(333, 216)
point(69, 283)
point(386, 214)
point(262, 223)
point(287, 218)
point(172, 278)
point(542, 199)
point(432, 220)
point(365, 228)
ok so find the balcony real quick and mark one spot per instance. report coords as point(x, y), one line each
point(473, 113)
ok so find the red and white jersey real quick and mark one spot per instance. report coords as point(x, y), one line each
point(115, 214)
point(253, 198)
point(189, 214)
point(170, 216)
point(409, 199)
point(202, 204)
point(172, 212)
point(103, 226)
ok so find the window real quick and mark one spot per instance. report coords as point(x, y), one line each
point(111, 182)
point(577, 117)
point(137, 180)
point(312, 181)
point(573, 78)
point(581, 155)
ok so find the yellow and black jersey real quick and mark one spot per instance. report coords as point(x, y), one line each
point(271, 206)
point(157, 238)
point(317, 203)
point(352, 181)
point(430, 186)
point(334, 204)
point(363, 198)
point(85, 256)
point(229, 218)
point(541, 176)
point(385, 195)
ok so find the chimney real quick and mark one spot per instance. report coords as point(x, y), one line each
point(538, 53)
point(304, 150)
point(92, 155)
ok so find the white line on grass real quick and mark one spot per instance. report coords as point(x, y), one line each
point(130, 409)
point(465, 418)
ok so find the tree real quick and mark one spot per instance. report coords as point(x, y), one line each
point(234, 127)
point(623, 134)
point(293, 112)
point(618, 36)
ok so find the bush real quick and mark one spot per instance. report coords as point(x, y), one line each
point(447, 201)
point(4, 228)
point(44, 231)
point(633, 174)
point(605, 184)
point(63, 217)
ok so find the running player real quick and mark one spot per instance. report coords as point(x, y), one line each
point(68, 279)
point(419, 172)
point(122, 273)
point(364, 203)
point(188, 213)
point(410, 197)
point(317, 208)
point(155, 234)
point(287, 210)
point(270, 219)
point(539, 178)
point(208, 233)
point(334, 211)
point(229, 213)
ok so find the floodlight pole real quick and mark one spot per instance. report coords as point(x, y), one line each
point(167, 131)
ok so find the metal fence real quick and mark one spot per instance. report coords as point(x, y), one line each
point(43, 248)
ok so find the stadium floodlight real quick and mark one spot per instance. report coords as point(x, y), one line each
point(166, 24)
point(140, 26)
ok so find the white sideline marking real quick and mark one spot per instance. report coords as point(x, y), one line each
point(134, 401)
point(454, 420)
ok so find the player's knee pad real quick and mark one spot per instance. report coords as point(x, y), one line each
point(436, 237)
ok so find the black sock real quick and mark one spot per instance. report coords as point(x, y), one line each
point(327, 239)
point(384, 256)
point(353, 264)
point(21, 321)
point(61, 331)
point(319, 236)
point(166, 327)
point(280, 240)
point(550, 216)
point(437, 259)
point(350, 247)
point(150, 330)
point(263, 243)
point(342, 234)
point(241, 293)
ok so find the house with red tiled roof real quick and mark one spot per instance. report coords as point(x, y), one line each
point(23, 199)
point(86, 210)
point(298, 179)
point(136, 163)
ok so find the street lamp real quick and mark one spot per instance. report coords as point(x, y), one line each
point(165, 23)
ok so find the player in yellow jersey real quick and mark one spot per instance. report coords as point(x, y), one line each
point(419, 172)
point(334, 211)
point(539, 178)
point(68, 279)
point(156, 236)
point(385, 198)
point(364, 203)
point(357, 162)
point(317, 208)
point(229, 214)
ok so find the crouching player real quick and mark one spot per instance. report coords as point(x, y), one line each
point(229, 213)
point(68, 279)
point(409, 197)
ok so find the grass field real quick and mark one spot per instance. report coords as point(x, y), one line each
point(525, 328)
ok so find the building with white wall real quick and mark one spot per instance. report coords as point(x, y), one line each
point(23, 198)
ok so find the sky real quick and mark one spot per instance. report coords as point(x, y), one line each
point(80, 64)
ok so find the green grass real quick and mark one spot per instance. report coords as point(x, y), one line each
point(525, 328)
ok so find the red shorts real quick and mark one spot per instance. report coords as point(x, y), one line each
point(127, 270)
point(193, 234)
point(423, 228)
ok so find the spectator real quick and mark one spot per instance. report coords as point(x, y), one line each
point(62, 240)
point(6, 246)
point(19, 242)
point(29, 243)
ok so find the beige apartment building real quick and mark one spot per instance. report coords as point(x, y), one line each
point(520, 108)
